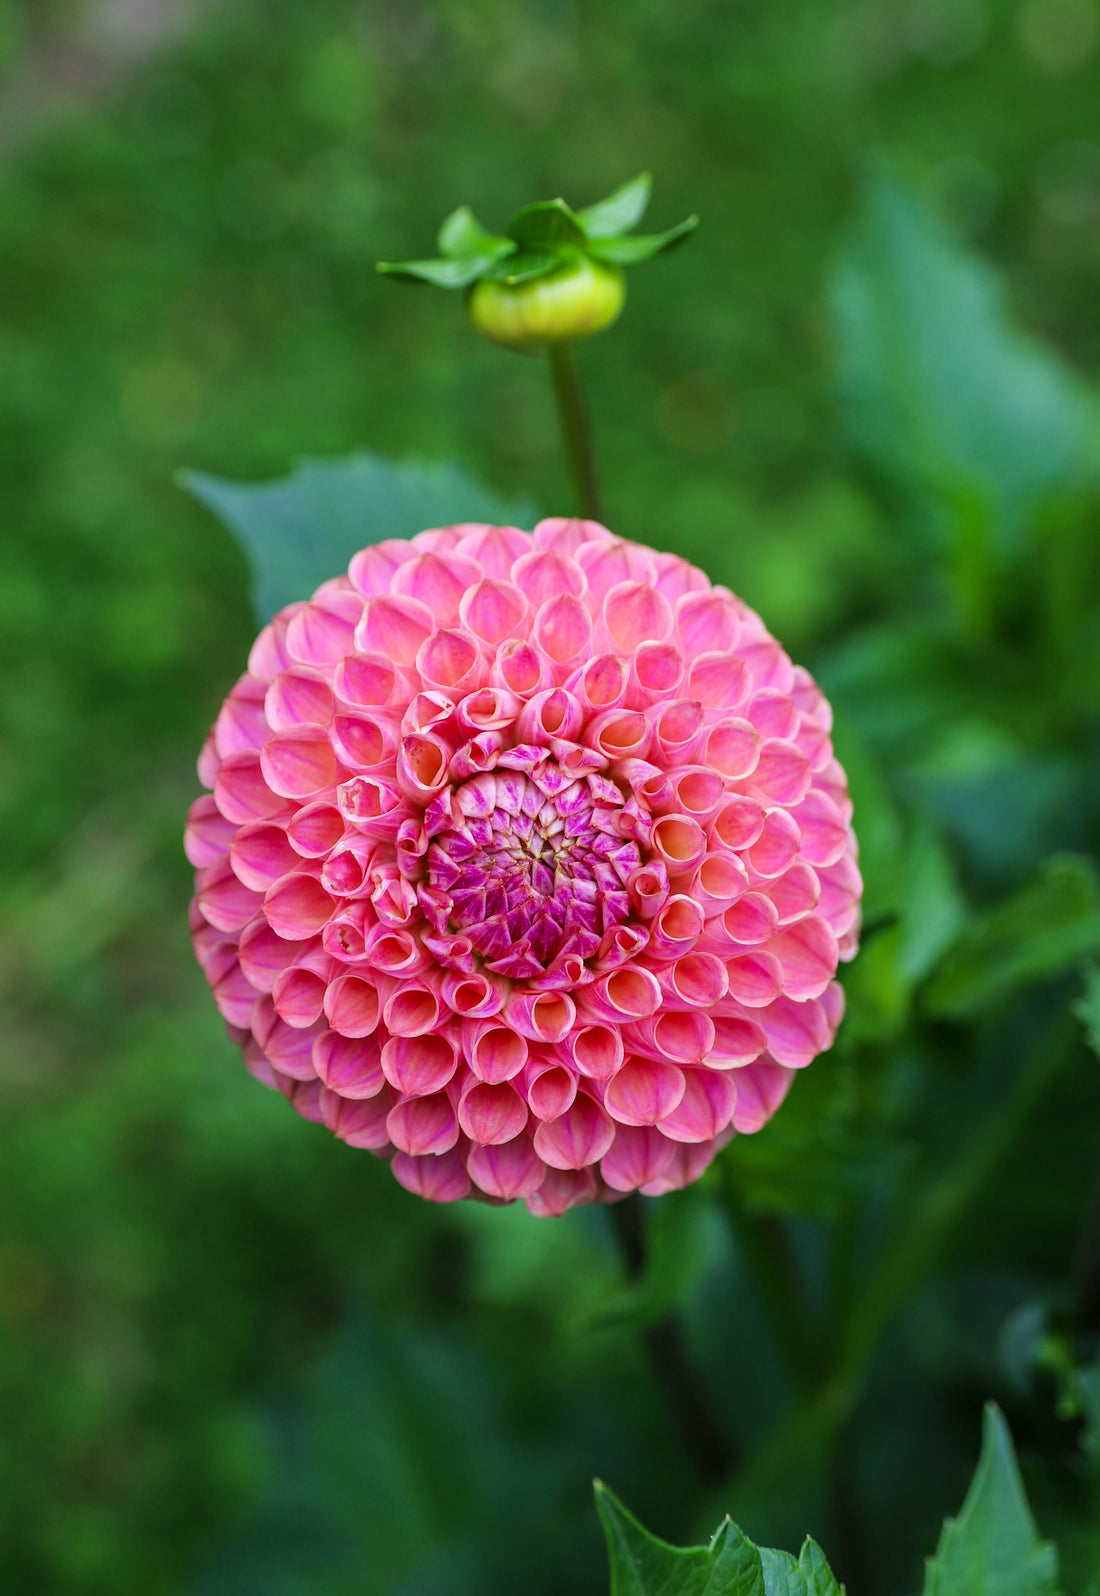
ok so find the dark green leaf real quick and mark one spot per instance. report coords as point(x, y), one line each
point(548, 222)
point(524, 266)
point(462, 234)
point(1087, 1008)
point(1041, 931)
point(820, 1579)
point(632, 251)
point(302, 529)
point(620, 211)
point(941, 391)
point(642, 1565)
point(782, 1575)
point(459, 273)
point(993, 1547)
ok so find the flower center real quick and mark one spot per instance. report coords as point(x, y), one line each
point(533, 868)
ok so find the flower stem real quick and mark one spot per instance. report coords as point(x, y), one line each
point(686, 1397)
point(576, 432)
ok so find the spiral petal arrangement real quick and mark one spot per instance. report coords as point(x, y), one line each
point(526, 865)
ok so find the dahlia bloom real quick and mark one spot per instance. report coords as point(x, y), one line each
point(527, 865)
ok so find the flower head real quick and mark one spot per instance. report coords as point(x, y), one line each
point(527, 865)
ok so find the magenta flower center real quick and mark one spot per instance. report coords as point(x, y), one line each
point(534, 868)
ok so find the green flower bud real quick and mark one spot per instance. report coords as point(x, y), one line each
point(580, 298)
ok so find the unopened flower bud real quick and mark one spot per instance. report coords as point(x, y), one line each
point(580, 299)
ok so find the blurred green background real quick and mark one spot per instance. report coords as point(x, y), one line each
point(234, 1356)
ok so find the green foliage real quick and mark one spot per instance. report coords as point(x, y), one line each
point(1087, 1008)
point(300, 531)
point(993, 1547)
point(941, 392)
point(1041, 931)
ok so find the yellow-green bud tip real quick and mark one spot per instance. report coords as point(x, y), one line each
point(580, 299)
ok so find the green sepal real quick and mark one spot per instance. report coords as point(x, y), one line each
point(620, 211)
point(631, 251)
point(462, 236)
point(524, 266)
point(458, 273)
point(548, 223)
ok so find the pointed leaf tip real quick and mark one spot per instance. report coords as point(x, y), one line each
point(620, 211)
point(993, 1548)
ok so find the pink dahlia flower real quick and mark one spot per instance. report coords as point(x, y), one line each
point(528, 864)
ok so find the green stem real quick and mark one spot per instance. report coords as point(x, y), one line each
point(687, 1399)
point(576, 433)
point(765, 1245)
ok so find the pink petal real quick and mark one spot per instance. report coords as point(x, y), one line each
point(320, 633)
point(372, 570)
point(413, 1010)
point(679, 730)
point(208, 833)
point(495, 548)
point(705, 1109)
point(774, 714)
point(360, 1123)
point(226, 902)
point(627, 994)
point(706, 623)
point(782, 772)
point(550, 1089)
point(755, 979)
point(352, 1067)
point(493, 610)
point(577, 1138)
point(696, 981)
point(719, 681)
point(366, 681)
point(823, 829)
point(776, 845)
point(737, 1041)
point(242, 794)
point(509, 1171)
point(620, 734)
point(657, 669)
point(595, 1050)
point(640, 1154)
point(561, 1190)
point(678, 1036)
point(241, 724)
point(562, 628)
point(361, 744)
point(719, 880)
point(795, 894)
point(297, 906)
point(451, 660)
point(352, 1005)
point(635, 613)
point(521, 668)
point(796, 1032)
point(808, 954)
point(602, 682)
point(544, 574)
point(676, 928)
point(614, 562)
point(733, 748)
point(315, 830)
point(235, 996)
point(268, 655)
point(680, 842)
point(644, 1090)
point(738, 823)
point(296, 696)
point(492, 1114)
point(264, 954)
point(441, 1179)
point(438, 581)
point(260, 854)
point(419, 1125)
point(565, 535)
point(395, 628)
point(494, 1052)
point(299, 763)
point(299, 994)
point(761, 1087)
point(420, 1064)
